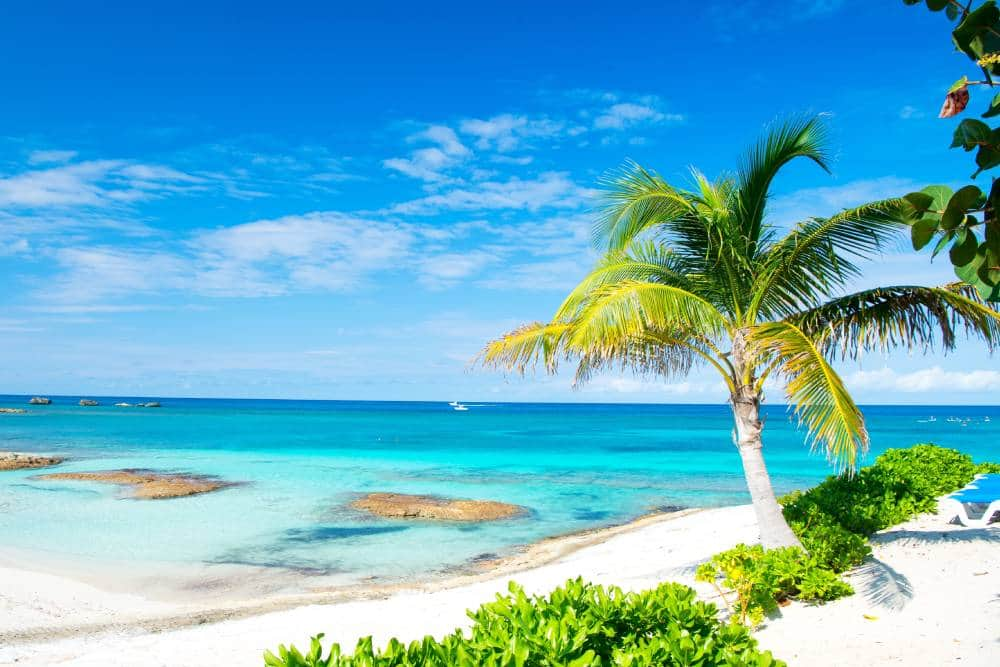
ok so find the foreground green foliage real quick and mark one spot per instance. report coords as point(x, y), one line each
point(833, 520)
point(578, 625)
point(966, 219)
point(762, 579)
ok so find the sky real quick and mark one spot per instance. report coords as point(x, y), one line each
point(347, 201)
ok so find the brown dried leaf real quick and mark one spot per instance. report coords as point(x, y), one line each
point(955, 102)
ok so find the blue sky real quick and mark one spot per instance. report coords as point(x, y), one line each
point(322, 201)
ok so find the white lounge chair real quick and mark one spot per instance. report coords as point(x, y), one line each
point(984, 490)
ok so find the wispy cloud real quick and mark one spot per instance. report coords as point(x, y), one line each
point(549, 189)
point(42, 157)
point(624, 115)
point(92, 183)
point(927, 380)
point(430, 163)
point(507, 132)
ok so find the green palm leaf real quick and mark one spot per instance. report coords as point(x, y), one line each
point(787, 141)
point(903, 316)
point(820, 399)
point(816, 256)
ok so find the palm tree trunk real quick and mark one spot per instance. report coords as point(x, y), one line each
point(774, 530)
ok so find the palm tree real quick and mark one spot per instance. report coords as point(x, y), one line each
point(700, 277)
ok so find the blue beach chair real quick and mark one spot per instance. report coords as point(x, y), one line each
point(984, 490)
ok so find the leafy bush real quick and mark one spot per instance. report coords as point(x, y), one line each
point(988, 468)
point(930, 471)
point(830, 544)
point(578, 625)
point(834, 519)
point(761, 579)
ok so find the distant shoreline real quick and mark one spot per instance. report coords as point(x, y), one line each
point(67, 399)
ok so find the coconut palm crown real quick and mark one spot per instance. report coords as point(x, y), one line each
point(700, 277)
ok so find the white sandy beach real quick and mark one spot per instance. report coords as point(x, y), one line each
point(931, 597)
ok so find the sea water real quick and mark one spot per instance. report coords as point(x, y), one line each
point(301, 463)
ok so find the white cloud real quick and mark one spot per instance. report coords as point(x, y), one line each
point(507, 132)
point(550, 189)
point(561, 274)
point(623, 115)
point(92, 183)
point(430, 163)
point(910, 112)
point(444, 137)
point(41, 157)
point(928, 380)
point(447, 269)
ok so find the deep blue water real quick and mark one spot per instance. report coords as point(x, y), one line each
point(574, 465)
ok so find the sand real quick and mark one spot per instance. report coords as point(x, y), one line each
point(933, 594)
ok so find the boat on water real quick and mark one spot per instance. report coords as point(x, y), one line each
point(459, 407)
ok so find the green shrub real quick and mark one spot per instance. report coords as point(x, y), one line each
point(761, 579)
point(930, 471)
point(834, 519)
point(578, 625)
point(988, 468)
point(831, 545)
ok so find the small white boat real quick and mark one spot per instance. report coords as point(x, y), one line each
point(454, 403)
point(460, 407)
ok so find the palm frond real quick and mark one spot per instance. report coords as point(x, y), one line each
point(630, 309)
point(636, 201)
point(651, 353)
point(525, 347)
point(819, 398)
point(642, 261)
point(816, 256)
point(903, 316)
point(785, 142)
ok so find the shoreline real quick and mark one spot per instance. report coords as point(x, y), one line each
point(927, 596)
point(177, 614)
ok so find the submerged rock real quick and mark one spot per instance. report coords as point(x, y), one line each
point(88, 402)
point(38, 400)
point(19, 461)
point(148, 484)
point(151, 404)
point(405, 506)
point(12, 411)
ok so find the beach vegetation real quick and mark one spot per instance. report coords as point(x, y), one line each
point(702, 277)
point(834, 521)
point(759, 580)
point(577, 625)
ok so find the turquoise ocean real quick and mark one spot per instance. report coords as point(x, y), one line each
point(576, 466)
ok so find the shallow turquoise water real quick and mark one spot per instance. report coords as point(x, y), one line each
point(574, 466)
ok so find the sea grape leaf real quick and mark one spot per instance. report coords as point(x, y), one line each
point(971, 133)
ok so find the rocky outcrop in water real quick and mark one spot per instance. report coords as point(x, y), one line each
point(12, 411)
point(19, 461)
point(148, 484)
point(88, 402)
point(38, 400)
point(405, 506)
